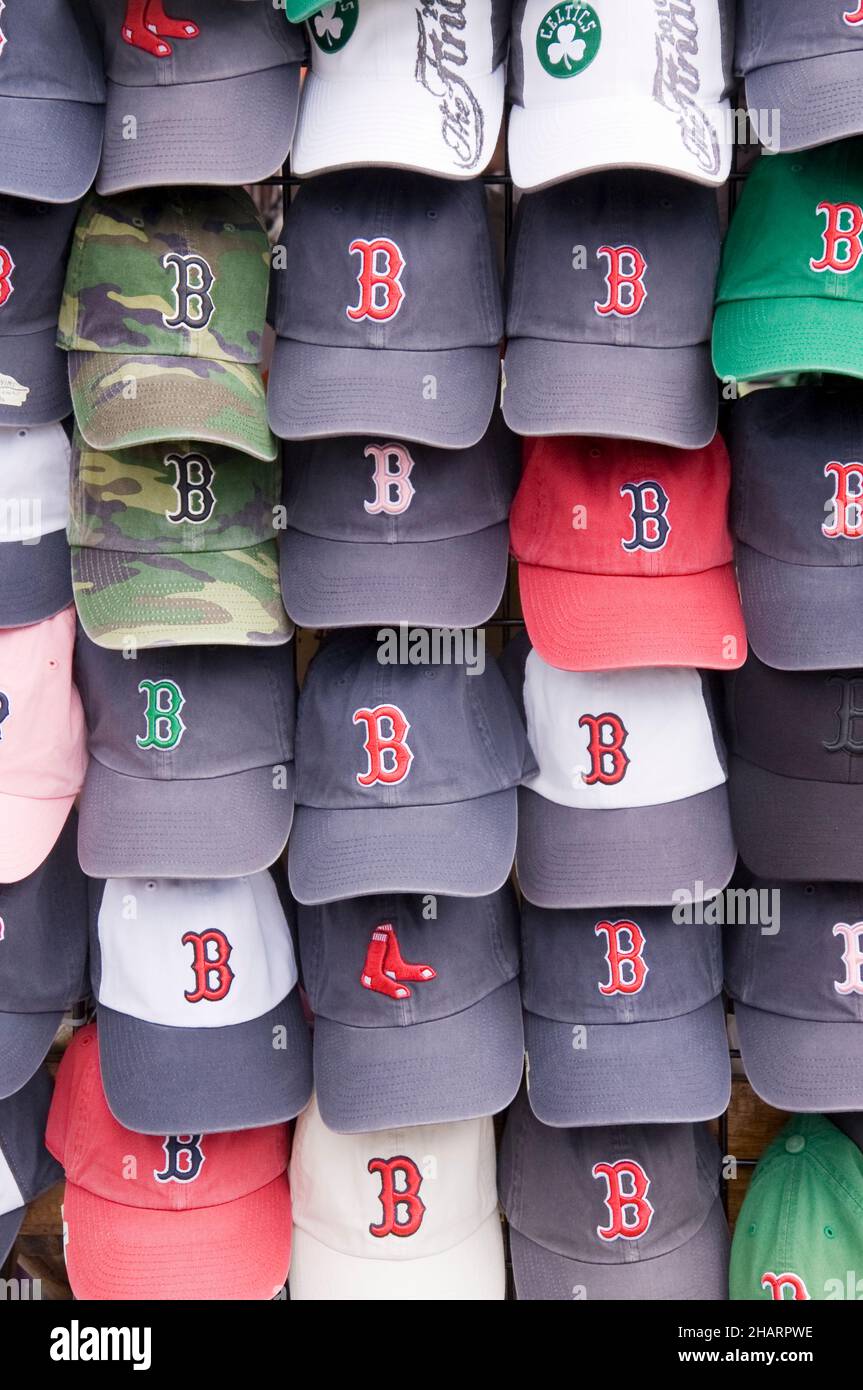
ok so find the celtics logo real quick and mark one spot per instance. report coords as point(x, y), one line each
point(568, 39)
point(165, 728)
point(333, 25)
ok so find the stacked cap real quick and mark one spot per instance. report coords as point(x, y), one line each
point(406, 776)
point(191, 772)
point(417, 1021)
point(626, 556)
point(163, 317)
point(213, 95)
point(606, 332)
point(399, 1214)
point(627, 1213)
point(26, 1168)
point(34, 504)
point(208, 1217)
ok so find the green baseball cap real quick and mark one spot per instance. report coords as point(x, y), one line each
point(790, 293)
point(173, 545)
point(799, 1234)
point(297, 10)
point(163, 317)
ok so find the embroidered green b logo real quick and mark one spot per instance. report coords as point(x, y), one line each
point(165, 728)
point(333, 25)
point(568, 39)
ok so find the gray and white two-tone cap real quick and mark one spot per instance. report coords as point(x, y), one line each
point(26, 1167)
point(35, 564)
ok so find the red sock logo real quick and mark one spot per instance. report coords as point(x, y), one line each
point(379, 279)
point(624, 280)
point(385, 744)
point(385, 971)
point(627, 970)
point(212, 951)
point(403, 1210)
point(606, 737)
point(629, 1211)
point(841, 235)
point(147, 27)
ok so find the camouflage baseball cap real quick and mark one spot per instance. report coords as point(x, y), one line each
point(163, 316)
point(173, 545)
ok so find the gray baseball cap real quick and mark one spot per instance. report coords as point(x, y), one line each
point(190, 772)
point(623, 1017)
point(627, 1213)
point(26, 1167)
point(34, 246)
point(798, 998)
point(406, 776)
point(52, 95)
point(605, 334)
point(803, 65)
point(417, 1018)
point(387, 304)
point(213, 96)
point(796, 771)
point(386, 532)
point(43, 957)
point(35, 567)
point(798, 519)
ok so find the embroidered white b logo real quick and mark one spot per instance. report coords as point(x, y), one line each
point(393, 490)
point(852, 958)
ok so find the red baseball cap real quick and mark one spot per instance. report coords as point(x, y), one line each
point(146, 1217)
point(626, 557)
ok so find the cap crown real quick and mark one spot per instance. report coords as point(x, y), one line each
point(26, 1167)
point(174, 1173)
point(29, 32)
point(34, 482)
point(43, 746)
point(43, 933)
point(34, 246)
point(803, 724)
point(768, 34)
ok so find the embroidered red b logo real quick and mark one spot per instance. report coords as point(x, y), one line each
point(847, 519)
point(385, 744)
point(393, 467)
point(385, 971)
point(625, 281)
point(608, 762)
point(843, 246)
point(403, 1210)
point(854, 16)
point(777, 1283)
point(627, 970)
point(7, 265)
point(852, 957)
point(379, 279)
point(211, 953)
point(629, 1211)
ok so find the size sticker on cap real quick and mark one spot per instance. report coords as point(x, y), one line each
point(12, 392)
point(568, 39)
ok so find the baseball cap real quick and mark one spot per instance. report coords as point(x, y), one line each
point(629, 804)
point(34, 245)
point(625, 1213)
point(805, 63)
point(213, 95)
point(623, 1016)
point(798, 998)
point(43, 741)
point(43, 958)
point(26, 1168)
point(800, 1229)
point(625, 555)
point(191, 772)
point(388, 311)
point(200, 1022)
point(794, 302)
point(417, 1018)
point(174, 543)
point(605, 335)
point(406, 776)
point(796, 771)
point(618, 83)
point(385, 532)
point(798, 518)
point(52, 95)
point(163, 318)
point(207, 1217)
point(35, 582)
point(410, 85)
point(404, 1214)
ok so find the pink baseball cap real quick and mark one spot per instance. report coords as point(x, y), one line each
point(43, 741)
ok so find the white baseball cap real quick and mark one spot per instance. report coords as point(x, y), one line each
point(620, 84)
point(35, 568)
point(405, 1214)
point(413, 86)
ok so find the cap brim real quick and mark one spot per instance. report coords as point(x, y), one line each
point(473, 1271)
point(29, 829)
point(10, 1224)
point(592, 622)
point(233, 131)
point(551, 143)
point(759, 338)
point(462, 848)
point(227, 597)
point(795, 828)
point(35, 580)
point(801, 1064)
point(209, 827)
point(50, 149)
point(801, 617)
point(320, 392)
point(456, 582)
point(672, 1071)
point(454, 1068)
point(34, 362)
point(350, 123)
point(697, 1270)
point(238, 1250)
point(174, 398)
point(665, 395)
point(152, 1074)
point(820, 99)
point(639, 855)
point(24, 1043)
